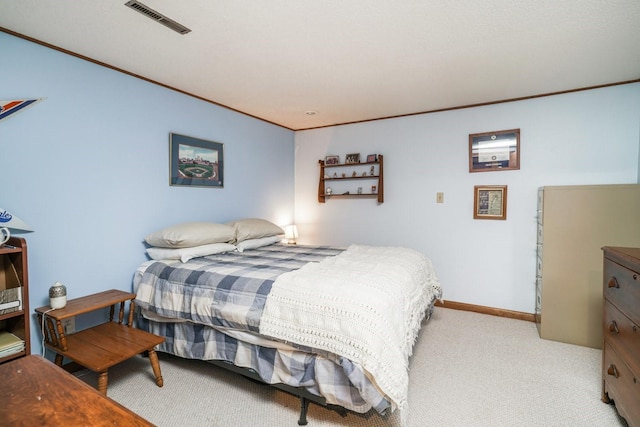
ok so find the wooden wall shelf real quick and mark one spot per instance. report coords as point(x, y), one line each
point(377, 179)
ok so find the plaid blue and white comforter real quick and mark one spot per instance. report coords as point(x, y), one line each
point(226, 290)
point(211, 295)
point(337, 379)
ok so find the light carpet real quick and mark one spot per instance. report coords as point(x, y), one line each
point(468, 369)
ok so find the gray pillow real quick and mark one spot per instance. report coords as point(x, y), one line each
point(191, 234)
point(254, 228)
point(257, 243)
point(185, 254)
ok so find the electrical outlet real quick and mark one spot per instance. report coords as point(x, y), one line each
point(439, 197)
point(69, 325)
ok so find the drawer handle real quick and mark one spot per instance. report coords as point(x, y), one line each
point(635, 277)
point(613, 327)
point(613, 371)
point(613, 283)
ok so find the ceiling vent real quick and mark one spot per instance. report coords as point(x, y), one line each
point(156, 16)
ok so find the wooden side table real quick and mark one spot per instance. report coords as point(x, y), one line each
point(100, 347)
point(35, 392)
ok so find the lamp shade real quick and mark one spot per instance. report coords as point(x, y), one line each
point(291, 233)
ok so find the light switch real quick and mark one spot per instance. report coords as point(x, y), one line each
point(439, 197)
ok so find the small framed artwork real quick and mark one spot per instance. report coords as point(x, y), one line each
point(490, 202)
point(494, 151)
point(195, 162)
point(331, 160)
point(353, 158)
point(371, 158)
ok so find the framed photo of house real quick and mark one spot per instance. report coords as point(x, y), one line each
point(494, 151)
point(332, 160)
point(490, 202)
point(195, 162)
point(353, 158)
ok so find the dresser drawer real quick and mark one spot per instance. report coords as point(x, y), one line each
point(540, 199)
point(539, 248)
point(622, 289)
point(540, 237)
point(623, 335)
point(539, 266)
point(621, 385)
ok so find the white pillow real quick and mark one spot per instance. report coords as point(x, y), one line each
point(185, 254)
point(191, 234)
point(254, 228)
point(257, 243)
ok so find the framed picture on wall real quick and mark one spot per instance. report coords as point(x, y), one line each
point(494, 151)
point(353, 158)
point(490, 202)
point(195, 162)
point(331, 160)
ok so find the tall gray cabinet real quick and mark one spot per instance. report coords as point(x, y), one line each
point(574, 223)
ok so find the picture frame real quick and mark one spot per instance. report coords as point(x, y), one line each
point(352, 158)
point(494, 151)
point(332, 160)
point(195, 162)
point(490, 202)
point(371, 158)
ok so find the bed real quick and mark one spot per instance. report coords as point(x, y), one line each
point(334, 326)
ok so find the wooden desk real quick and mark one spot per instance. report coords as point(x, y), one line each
point(35, 392)
point(102, 346)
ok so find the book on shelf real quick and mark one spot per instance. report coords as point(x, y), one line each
point(10, 344)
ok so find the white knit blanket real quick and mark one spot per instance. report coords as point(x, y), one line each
point(366, 304)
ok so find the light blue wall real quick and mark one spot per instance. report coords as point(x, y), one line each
point(88, 167)
point(587, 137)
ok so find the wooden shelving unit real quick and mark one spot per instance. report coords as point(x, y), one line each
point(14, 275)
point(377, 179)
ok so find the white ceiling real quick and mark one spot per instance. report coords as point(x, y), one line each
point(349, 60)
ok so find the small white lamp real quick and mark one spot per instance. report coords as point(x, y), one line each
point(8, 221)
point(291, 234)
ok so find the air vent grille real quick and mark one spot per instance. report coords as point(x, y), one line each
point(156, 16)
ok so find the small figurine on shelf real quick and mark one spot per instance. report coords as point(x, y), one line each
point(372, 171)
point(353, 174)
point(328, 191)
point(364, 174)
point(344, 175)
point(373, 189)
point(335, 175)
point(359, 190)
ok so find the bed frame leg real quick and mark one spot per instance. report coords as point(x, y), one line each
point(304, 405)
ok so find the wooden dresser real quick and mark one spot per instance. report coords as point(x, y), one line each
point(621, 330)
